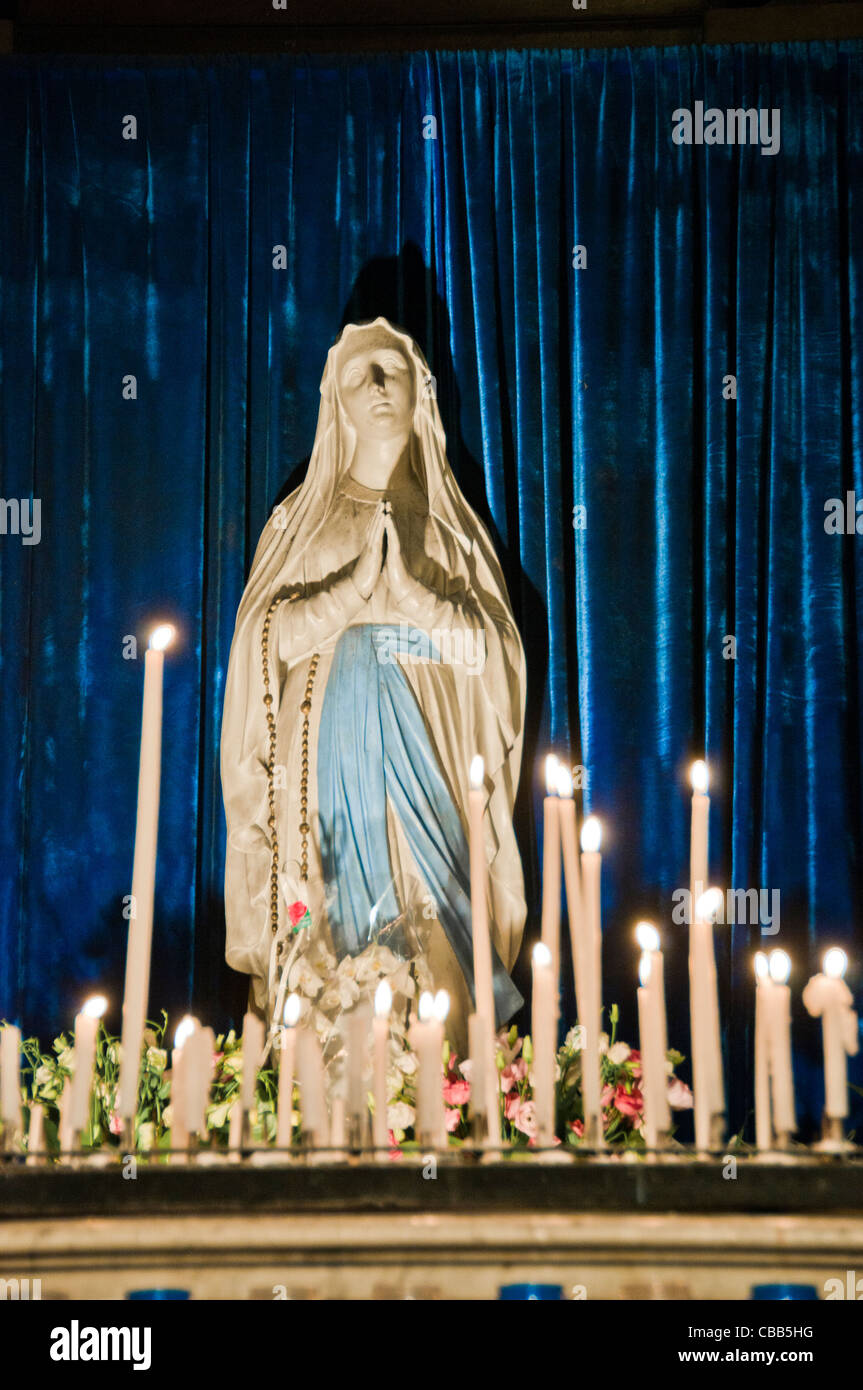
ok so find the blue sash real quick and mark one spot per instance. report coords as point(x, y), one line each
point(373, 745)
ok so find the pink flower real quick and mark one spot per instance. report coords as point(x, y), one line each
point(217, 1057)
point(627, 1103)
point(452, 1119)
point(456, 1092)
point(577, 1127)
point(395, 1151)
point(607, 1097)
point(512, 1075)
point(679, 1095)
point(115, 1124)
point(297, 912)
point(634, 1061)
point(522, 1114)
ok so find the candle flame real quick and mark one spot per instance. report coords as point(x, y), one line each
point(441, 1005)
point(647, 936)
point(162, 636)
point(383, 999)
point(699, 776)
point(564, 781)
point(591, 835)
point(780, 966)
point(541, 955)
point(709, 904)
point(835, 963)
point(762, 969)
point(425, 1008)
point(185, 1029)
point(552, 763)
point(644, 966)
point(95, 1006)
point(477, 772)
point(291, 1016)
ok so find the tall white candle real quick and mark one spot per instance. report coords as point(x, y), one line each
point(137, 986)
point(827, 996)
point(287, 1055)
point(572, 877)
point(591, 876)
point(550, 928)
point(482, 968)
point(179, 1081)
point(704, 1016)
point(699, 833)
point(763, 987)
point(86, 1030)
point(482, 971)
point(781, 1075)
point(10, 1082)
point(253, 1051)
point(383, 1006)
point(652, 1034)
point(543, 1028)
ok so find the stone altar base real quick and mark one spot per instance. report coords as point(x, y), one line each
point(601, 1227)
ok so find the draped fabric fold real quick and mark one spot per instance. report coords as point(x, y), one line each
point(647, 358)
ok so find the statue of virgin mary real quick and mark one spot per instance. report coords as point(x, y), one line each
point(375, 654)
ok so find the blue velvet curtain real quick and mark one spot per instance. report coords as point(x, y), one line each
point(447, 191)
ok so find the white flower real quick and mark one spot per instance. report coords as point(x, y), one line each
point(575, 1038)
point(44, 1076)
point(65, 1058)
point(603, 1042)
point(146, 1135)
point(157, 1058)
point(619, 1053)
point(400, 1115)
point(304, 978)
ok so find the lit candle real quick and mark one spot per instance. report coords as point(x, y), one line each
point(708, 1086)
point(427, 1041)
point(591, 875)
point(699, 831)
point(86, 1030)
point(763, 987)
point(357, 1029)
point(652, 1035)
point(827, 996)
point(781, 1075)
point(10, 1083)
point(381, 1034)
point(197, 1067)
point(544, 1028)
point(774, 1084)
point(137, 986)
point(179, 1131)
point(550, 929)
point(313, 1097)
point(572, 879)
point(482, 971)
point(483, 988)
point(287, 1053)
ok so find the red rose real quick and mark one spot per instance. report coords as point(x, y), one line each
point(297, 912)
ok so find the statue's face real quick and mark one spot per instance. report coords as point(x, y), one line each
point(376, 387)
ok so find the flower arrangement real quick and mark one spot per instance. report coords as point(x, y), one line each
point(45, 1075)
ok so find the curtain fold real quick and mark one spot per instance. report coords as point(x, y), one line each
point(166, 304)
